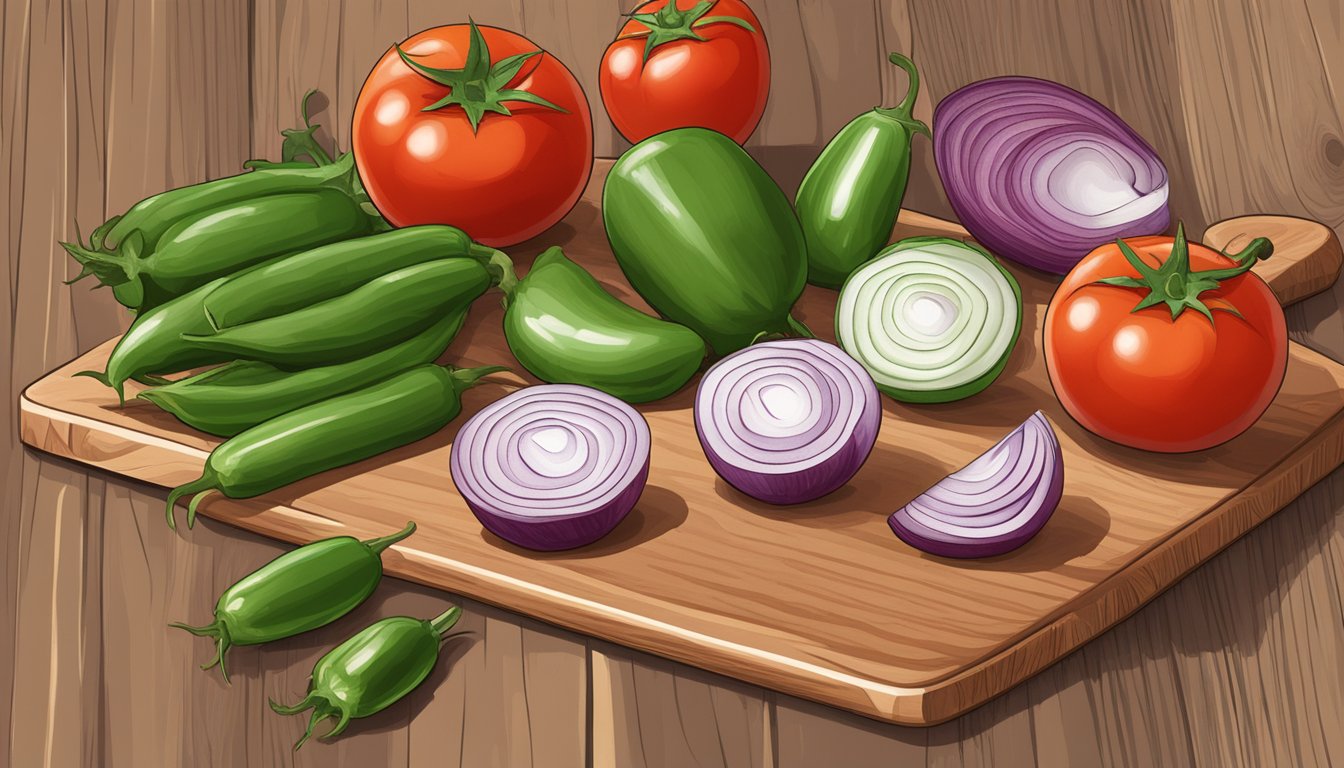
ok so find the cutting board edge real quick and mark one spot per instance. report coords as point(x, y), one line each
point(1155, 571)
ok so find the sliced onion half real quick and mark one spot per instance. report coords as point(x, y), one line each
point(1042, 174)
point(931, 318)
point(992, 505)
point(554, 466)
point(787, 421)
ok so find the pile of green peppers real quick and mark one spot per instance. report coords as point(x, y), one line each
point(709, 240)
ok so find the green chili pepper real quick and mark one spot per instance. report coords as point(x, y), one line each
point(331, 270)
point(154, 344)
point(371, 671)
point(137, 233)
point(223, 240)
point(331, 433)
point(850, 197)
point(565, 328)
point(383, 311)
point(706, 237)
point(303, 589)
point(231, 398)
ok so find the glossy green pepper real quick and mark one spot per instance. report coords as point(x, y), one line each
point(224, 240)
point(388, 309)
point(231, 398)
point(706, 237)
point(371, 671)
point(153, 344)
point(850, 198)
point(322, 273)
point(330, 433)
point(303, 589)
point(566, 329)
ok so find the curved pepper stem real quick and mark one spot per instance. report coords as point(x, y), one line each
point(904, 112)
point(376, 546)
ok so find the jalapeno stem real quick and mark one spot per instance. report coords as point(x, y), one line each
point(904, 112)
point(465, 378)
point(445, 621)
point(223, 642)
point(206, 482)
point(378, 545)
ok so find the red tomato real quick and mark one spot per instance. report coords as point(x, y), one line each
point(720, 83)
point(1146, 380)
point(504, 180)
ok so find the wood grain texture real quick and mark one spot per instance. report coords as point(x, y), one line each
point(85, 123)
point(695, 572)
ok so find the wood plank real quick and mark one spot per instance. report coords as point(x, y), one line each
point(650, 713)
point(807, 734)
point(58, 637)
point(863, 650)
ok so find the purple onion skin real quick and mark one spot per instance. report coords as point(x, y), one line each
point(935, 543)
point(553, 534)
point(816, 481)
point(1021, 231)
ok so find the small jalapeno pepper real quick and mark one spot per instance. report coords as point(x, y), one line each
point(330, 433)
point(231, 398)
point(331, 270)
point(153, 344)
point(384, 311)
point(371, 671)
point(220, 241)
point(565, 328)
point(303, 589)
point(850, 197)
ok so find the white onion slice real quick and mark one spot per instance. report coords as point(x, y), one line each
point(992, 505)
point(787, 421)
point(553, 466)
point(932, 319)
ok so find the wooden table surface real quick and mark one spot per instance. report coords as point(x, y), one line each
point(105, 101)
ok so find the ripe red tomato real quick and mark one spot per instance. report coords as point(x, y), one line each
point(1146, 380)
point(494, 141)
point(720, 82)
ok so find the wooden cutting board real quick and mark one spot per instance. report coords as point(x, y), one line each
point(821, 600)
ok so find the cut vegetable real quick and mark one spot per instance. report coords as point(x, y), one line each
point(1042, 174)
point(992, 505)
point(787, 421)
point(554, 466)
point(931, 318)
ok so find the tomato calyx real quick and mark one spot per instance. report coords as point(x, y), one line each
point(1174, 284)
point(479, 86)
point(903, 113)
point(671, 23)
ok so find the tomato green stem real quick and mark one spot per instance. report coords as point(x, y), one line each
point(1174, 284)
point(479, 86)
point(671, 23)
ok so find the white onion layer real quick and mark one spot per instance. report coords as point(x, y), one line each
point(929, 318)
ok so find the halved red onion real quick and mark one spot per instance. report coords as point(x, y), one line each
point(992, 505)
point(553, 466)
point(1042, 174)
point(787, 421)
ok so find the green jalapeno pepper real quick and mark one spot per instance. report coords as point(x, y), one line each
point(706, 237)
point(850, 198)
point(371, 671)
point(223, 240)
point(331, 270)
point(301, 590)
point(153, 344)
point(386, 310)
point(565, 328)
point(330, 433)
point(231, 398)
